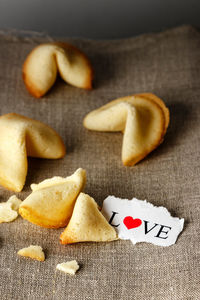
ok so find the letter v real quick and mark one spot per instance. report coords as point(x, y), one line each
point(145, 227)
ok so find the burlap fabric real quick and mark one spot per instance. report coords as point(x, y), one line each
point(167, 64)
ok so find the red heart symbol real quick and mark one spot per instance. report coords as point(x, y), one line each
point(130, 223)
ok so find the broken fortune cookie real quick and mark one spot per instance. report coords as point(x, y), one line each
point(142, 118)
point(69, 267)
point(33, 251)
point(46, 60)
point(21, 137)
point(9, 209)
point(52, 201)
point(87, 224)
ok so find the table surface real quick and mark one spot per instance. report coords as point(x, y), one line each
point(167, 64)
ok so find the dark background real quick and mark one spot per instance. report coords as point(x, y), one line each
point(100, 19)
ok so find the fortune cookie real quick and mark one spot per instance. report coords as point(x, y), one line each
point(52, 201)
point(21, 137)
point(142, 118)
point(46, 60)
point(87, 223)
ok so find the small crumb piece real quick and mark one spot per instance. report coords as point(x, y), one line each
point(34, 252)
point(15, 202)
point(7, 214)
point(9, 209)
point(69, 267)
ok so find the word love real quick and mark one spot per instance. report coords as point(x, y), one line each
point(131, 223)
point(140, 221)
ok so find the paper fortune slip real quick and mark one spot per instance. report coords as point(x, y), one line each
point(141, 221)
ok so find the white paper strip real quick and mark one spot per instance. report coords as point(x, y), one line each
point(141, 221)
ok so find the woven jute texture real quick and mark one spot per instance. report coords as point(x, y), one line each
point(167, 64)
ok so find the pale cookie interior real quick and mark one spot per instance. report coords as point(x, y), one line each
point(52, 201)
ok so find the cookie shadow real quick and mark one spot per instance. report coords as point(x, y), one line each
point(103, 69)
point(40, 169)
point(180, 117)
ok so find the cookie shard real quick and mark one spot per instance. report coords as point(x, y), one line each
point(15, 202)
point(34, 252)
point(142, 118)
point(7, 214)
point(21, 137)
point(9, 209)
point(87, 223)
point(51, 202)
point(46, 60)
point(69, 267)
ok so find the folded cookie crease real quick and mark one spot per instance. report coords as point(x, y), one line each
point(46, 60)
point(87, 223)
point(21, 137)
point(143, 119)
point(52, 201)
